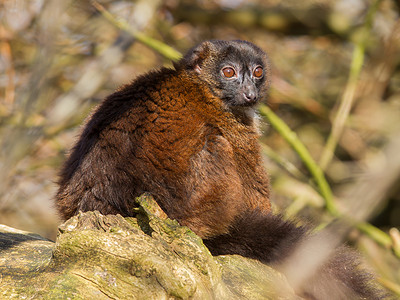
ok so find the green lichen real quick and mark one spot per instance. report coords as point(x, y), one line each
point(111, 257)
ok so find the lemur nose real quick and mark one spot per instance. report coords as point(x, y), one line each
point(250, 96)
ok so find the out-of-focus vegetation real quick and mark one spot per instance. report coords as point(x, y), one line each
point(335, 83)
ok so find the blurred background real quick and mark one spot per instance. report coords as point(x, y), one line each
point(335, 82)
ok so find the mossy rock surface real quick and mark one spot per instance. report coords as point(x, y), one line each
point(111, 257)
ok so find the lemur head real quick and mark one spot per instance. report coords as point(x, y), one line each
point(235, 71)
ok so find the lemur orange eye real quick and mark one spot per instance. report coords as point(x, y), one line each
point(228, 72)
point(258, 72)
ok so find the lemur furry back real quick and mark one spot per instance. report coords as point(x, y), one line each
point(189, 137)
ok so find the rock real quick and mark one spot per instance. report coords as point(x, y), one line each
point(111, 257)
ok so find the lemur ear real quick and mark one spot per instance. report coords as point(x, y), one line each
point(195, 57)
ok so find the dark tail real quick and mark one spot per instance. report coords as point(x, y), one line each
point(272, 240)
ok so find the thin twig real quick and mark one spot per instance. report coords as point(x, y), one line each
point(160, 47)
point(373, 232)
point(348, 95)
point(291, 137)
point(284, 163)
point(376, 234)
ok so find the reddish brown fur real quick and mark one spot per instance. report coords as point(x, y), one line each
point(168, 135)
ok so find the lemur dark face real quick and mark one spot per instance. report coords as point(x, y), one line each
point(240, 75)
point(237, 72)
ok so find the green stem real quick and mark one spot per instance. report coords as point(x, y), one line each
point(376, 234)
point(373, 232)
point(305, 155)
point(348, 94)
point(160, 47)
point(284, 163)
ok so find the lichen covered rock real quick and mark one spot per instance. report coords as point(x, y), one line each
point(111, 257)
